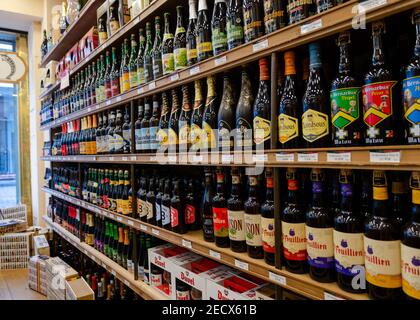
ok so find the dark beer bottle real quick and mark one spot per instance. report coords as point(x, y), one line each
point(192, 217)
point(168, 61)
point(226, 116)
point(243, 118)
point(184, 121)
point(178, 210)
point(400, 199)
point(162, 134)
point(209, 124)
point(150, 202)
point(203, 32)
point(365, 197)
point(206, 207)
point(234, 24)
point(141, 200)
point(137, 127)
point(158, 202)
point(220, 212)
point(180, 41)
point(174, 122)
point(293, 227)
point(382, 245)
point(191, 34)
point(145, 130)
point(274, 15)
point(154, 125)
point(267, 221)
point(253, 19)
point(252, 219)
point(319, 232)
point(298, 10)
point(157, 51)
point(166, 206)
point(345, 100)
point(348, 239)
point(218, 27)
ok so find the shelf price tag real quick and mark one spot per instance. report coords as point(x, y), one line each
point(172, 158)
point(329, 296)
point(215, 254)
point(194, 70)
point(124, 158)
point(133, 158)
point(242, 265)
point(259, 157)
point(197, 159)
point(119, 219)
point(339, 157)
point(93, 258)
point(385, 156)
point(285, 157)
point(152, 85)
point(155, 232)
point(227, 158)
point(220, 61)
point(186, 244)
point(127, 283)
point(143, 227)
point(277, 278)
point(310, 27)
point(175, 77)
point(260, 45)
point(371, 4)
point(140, 90)
point(130, 222)
point(118, 98)
point(111, 158)
point(108, 102)
point(113, 273)
point(307, 157)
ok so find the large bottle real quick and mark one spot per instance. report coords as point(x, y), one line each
point(174, 122)
point(410, 246)
point(180, 41)
point(162, 135)
point(140, 57)
point(192, 216)
point(411, 89)
point(218, 27)
point(203, 32)
point(145, 130)
point(243, 118)
point(226, 116)
point(319, 232)
point(206, 207)
point(115, 82)
point(298, 10)
point(184, 121)
point(252, 219)
point(209, 124)
point(166, 205)
point(148, 54)
point(197, 116)
point(234, 24)
point(323, 5)
point(380, 112)
point(315, 117)
point(220, 212)
point(236, 215)
point(382, 245)
point(345, 100)
point(132, 64)
point(154, 125)
point(137, 127)
point(168, 63)
point(289, 106)
point(293, 227)
point(262, 109)
point(192, 33)
point(157, 51)
point(267, 220)
point(274, 15)
point(141, 200)
point(348, 239)
point(178, 210)
point(253, 19)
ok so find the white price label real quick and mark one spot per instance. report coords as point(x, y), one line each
point(329, 296)
point(133, 158)
point(140, 90)
point(260, 45)
point(137, 20)
point(310, 27)
point(155, 232)
point(119, 219)
point(111, 158)
point(111, 216)
point(307, 157)
point(194, 70)
point(130, 222)
point(196, 159)
point(339, 157)
point(215, 254)
point(124, 158)
point(175, 77)
point(108, 102)
point(113, 273)
point(89, 109)
point(104, 265)
point(78, 203)
point(227, 158)
point(259, 157)
point(127, 283)
point(153, 159)
point(285, 157)
point(186, 244)
point(172, 158)
point(97, 107)
point(93, 258)
point(85, 251)
point(143, 227)
point(277, 278)
point(370, 4)
point(119, 99)
point(242, 265)
point(152, 85)
point(220, 61)
point(385, 157)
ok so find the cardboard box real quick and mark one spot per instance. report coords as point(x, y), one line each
point(57, 272)
point(87, 44)
point(78, 289)
point(41, 245)
point(267, 292)
point(37, 275)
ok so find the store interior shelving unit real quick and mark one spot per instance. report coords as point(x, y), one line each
point(322, 25)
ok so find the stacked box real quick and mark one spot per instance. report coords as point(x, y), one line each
point(14, 251)
point(78, 289)
point(41, 245)
point(57, 273)
point(37, 276)
point(267, 292)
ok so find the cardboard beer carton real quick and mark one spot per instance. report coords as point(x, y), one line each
point(78, 289)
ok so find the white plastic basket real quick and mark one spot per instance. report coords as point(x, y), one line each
point(19, 212)
point(14, 251)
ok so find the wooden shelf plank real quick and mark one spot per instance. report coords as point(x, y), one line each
point(335, 20)
point(142, 289)
point(301, 284)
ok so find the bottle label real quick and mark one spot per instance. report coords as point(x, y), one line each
point(314, 125)
point(172, 137)
point(145, 134)
point(149, 206)
point(243, 133)
point(155, 280)
point(208, 227)
point(114, 26)
point(383, 262)
point(125, 209)
point(125, 81)
point(115, 87)
point(225, 140)
point(288, 128)
point(141, 208)
point(133, 79)
point(140, 75)
point(344, 109)
point(348, 252)
point(253, 229)
point(195, 134)
point(220, 222)
point(294, 241)
point(262, 130)
point(268, 240)
point(252, 28)
point(157, 65)
point(191, 54)
point(320, 247)
point(271, 15)
point(411, 90)
point(410, 260)
point(208, 136)
point(323, 5)
point(127, 136)
point(182, 295)
point(235, 32)
point(189, 214)
point(184, 132)
point(153, 138)
point(166, 215)
point(118, 143)
point(137, 134)
point(103, 36)
point(108, 90)
point(203, 48)
point(219, 40)
point(236, 225)
point(162, 137)
point(168, 63)
point(174, 217)
point(180, 57)
point(130, 266)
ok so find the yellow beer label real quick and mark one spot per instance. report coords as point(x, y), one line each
point(416, 196)
point(208, 136)
point(380, 193)
point(172, 137)
point(288, 128)
point(314, 125)
point(204, 47)
point(410, 260)
point(262, 130)
point(125, 81)
point(124, 207)
point(162, 137)
point(195, 135)
point(133, 79)
point(191, 54)
point(114, 26)
point(184, 134)
point(103, 36)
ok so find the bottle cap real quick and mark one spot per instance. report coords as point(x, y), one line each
point(264, 70)
point(289, 61)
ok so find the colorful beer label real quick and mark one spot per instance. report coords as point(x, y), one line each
point(191, 54)
point(236, 225)
point(125, 81)
point(166, 215)
point(203, 48)
point(141, 208)
point(172, 137)
point(262, 130)
point(314, 125)
point(219, 40)
point(153, 138)
point(103, 36)
point(253, 229)
point(162, 137)
point(184, 133)
point(137, 135)
point(344, 109)
point(180, 58)
point(252, 28)
point(383, 262)
point(235, 32)
point(268, 240)
point(189, 214)
point(410, 260)
point(288, 128)
point(294, 241)
point(168, 63)
point(195, 134)
point(140, 75)
point(208, 136)
point(411, 91)
point(348, 252)
point(271, 15)
point(149, 206)
point(220, 222)
point(174, 217)
point(320, 247)
point(133, 79)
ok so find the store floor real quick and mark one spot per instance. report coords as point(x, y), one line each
point(14, 286)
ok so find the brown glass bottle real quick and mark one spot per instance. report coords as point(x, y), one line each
point(220, 212)
point(253, 19)
point(226, 116)
point(174, 122)
point(209, 124)
point(192, 216)
point(267, 220)
point(236, 214)
point(252, 219)
point(178, 210)
point(184, 121)
point(206, 207)
point(166, 206)
point(243, 119)
point(197, 116)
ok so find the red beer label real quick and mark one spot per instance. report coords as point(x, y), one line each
point(377, 102)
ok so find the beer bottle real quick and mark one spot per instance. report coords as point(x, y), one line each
point(104, 134)
point(345, 100)
point(180, 41)
point(120, 246)
point(252, 219)
point(315, 119)
point(319, 233)
point(183, 290)
point(162, 134)
point(400, 199)
point(382, 245)
point(293, 227)
point(274, 15)
point(114, 23)
point(236, 214)
point(124, 69)
point(107, 78)
point(226, 116)
point(125, 201)
point(197, 117)
point(261, 109)
point(379, 104)
point(267, 221)
point(365, 205)
point(334, 192)
point(148, 54)
point(126, 131)
point(115, 79)
point(166, 206)
point(220, 212)
point(141, 200)
point(324, 5)
point(191, 34)
point(253, 20)
point(120, 191)
point(289, 106)
point(203, 32)
point(174, 122)
point(348, 239)
point(118, 135)
point(218, 27)
point(158, 202)
point(243, 118)
point(209, 124)
point(145, 123)
point(137, 127)
point(298, 10)
point(150, 202)
point(168, 63)
point(140, 58)
point(184, 121)
point(178, 210)
point(157, 51)
point(192, 218)
point(234, 24)
point(206, 207)
point(411, 89)
point(132, 64)
point(410, 246)
point(148, 245)
point(125, 249)
point(154, 125)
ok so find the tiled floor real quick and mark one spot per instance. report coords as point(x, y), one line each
point(14, 286)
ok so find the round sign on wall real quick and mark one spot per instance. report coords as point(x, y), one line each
point(12, 67)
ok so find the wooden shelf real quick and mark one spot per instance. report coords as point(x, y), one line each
point(319, 26)
point(85, 21)
point(301, 284)
point(141, 288)
point(49, 90)
point(367, 158)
